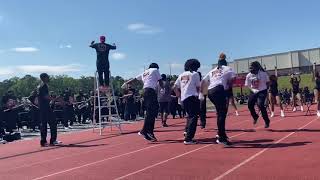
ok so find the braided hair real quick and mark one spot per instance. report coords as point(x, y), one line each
point(255, 67)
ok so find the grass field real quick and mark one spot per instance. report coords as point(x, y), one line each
point(284, 82)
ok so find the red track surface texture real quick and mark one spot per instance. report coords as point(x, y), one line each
point(288, 150)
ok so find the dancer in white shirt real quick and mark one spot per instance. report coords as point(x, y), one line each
point(219, 79)
point(150, 78)
point(187, 87)
point(257, 81)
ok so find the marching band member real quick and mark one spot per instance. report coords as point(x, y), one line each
point(103, 65)
point(46, 113)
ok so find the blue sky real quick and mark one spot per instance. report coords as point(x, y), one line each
point(53, 36)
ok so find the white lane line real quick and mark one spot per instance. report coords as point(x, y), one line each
point(167, 160)
point(96, 162)
point(176, 157)
point(103, 160)
point(259, 153)
point(81, 153)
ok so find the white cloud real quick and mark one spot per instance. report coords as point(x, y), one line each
point(118, 56)
point(35, 69)
point(63, 46)
point(25, 49)
point(143, 28)
point(49, 69)
point(6, 71)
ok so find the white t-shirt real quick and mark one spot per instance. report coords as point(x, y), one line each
point(150, 78)
point(219, 76)
point(188, 82)
point(257, 82)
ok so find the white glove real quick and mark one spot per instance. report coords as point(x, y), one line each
point(255, 91)
point(201, 96)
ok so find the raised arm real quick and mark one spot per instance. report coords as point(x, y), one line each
point(92, 44)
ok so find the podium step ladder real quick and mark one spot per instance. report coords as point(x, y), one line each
point(105, 100)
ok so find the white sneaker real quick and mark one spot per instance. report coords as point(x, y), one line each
point(237, 114)
point(56, 143)
point(66, 128)
point(272, 114)
point(294, 109)
point(301, 108)
point(3, 141)
point(318, 113)
point(282, 113)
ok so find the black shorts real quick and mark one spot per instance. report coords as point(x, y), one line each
point(229, 93)
point(164, 107)
point(295, 92)
point(274, 93)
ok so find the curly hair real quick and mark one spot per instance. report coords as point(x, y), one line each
point(192, 65)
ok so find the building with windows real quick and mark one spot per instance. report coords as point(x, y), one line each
point(300, 61)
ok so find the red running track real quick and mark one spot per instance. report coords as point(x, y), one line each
point(287, 150)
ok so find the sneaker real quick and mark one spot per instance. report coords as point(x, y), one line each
point(272, 114)
point(145, 136)
point(165, 125)
point(3, 141)
point(55, 143)
point(255, 120)
point(153, 138)
point(282, 113)
point(267, 125)
point(301, 108)
point(294, 109)
point(318, 113)
point(44, 144)
point(237, 113)
point(217, 137)
point(190, 142)
point(66, 128)
point(224, 142)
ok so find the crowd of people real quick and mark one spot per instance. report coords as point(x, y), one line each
point(186, 96)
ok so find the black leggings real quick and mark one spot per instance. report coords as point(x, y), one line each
point(259, 99)
point(217, 96)
point(103, 72)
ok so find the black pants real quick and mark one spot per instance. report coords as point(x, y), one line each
point(259, 99)
point(82, 115)
point(2, 132)
point(218, 97)
point(47, 117)
point(68, 115)
point(35, 118)
point(203, 111)
point(103, 72)
point(152, 107)
point(11, 120)
point(192, 107)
